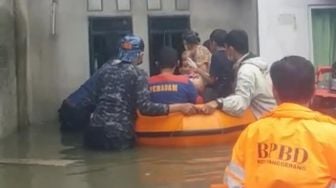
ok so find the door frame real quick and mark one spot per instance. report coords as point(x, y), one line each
point(162, 15)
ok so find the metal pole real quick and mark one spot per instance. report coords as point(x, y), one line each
point(53, 17)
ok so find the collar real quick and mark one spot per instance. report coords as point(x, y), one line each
point(116, 61)
point(240, 60)
point(296, 111)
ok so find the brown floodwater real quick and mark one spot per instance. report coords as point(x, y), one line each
point(41, 157)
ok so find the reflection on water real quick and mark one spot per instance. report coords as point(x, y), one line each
point(140, 167)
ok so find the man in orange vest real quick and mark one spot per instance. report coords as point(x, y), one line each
point(292, 146)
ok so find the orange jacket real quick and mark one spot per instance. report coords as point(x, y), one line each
point(291, 147)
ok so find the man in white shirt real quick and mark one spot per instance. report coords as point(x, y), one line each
point(253, 86)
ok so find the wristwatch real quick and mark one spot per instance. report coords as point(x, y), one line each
point(219, 104)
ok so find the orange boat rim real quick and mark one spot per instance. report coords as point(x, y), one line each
point(177, 130)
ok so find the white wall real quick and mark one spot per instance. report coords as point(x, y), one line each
point(207, 16)
point(58, 65)
point(284, 27)
point(225, 14)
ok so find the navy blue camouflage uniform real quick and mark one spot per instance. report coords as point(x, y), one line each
point(122, 89)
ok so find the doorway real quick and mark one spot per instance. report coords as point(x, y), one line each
point(104, 36)
point(165, 31)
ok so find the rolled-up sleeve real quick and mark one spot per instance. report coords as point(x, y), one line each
point(237, 103)
point(144, 104)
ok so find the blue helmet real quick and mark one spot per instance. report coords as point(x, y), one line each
point(130, 48)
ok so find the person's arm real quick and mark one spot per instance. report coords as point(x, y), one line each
point(146, 107)
point(185, 108)
point(214, 66)
point(234, 175)
point(237, 103)
point(205, 75)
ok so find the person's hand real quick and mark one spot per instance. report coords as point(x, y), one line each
point(209, 107)
point(196, 70)
point(199, 70)
point(188, 109)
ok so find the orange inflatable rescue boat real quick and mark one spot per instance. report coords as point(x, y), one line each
point(177, 130)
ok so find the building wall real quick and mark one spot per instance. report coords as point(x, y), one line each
point(58, 65)
point(228, 14)
point(21, 41)
point(8, 95)
point(284, 27)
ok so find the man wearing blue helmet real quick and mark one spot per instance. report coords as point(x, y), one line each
point(121, 89)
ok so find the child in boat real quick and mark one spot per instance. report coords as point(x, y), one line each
point(187, 68)
point(169, 88)
point(197, 52)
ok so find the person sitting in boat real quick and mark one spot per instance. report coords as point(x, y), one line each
point(197, 52)
point(168, 88)
point(187, 67)
point(253, 87)
point(292, 146)
point(122, 89)
point(198, 58)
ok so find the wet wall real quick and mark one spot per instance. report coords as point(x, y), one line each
point(21, 49)
point(8, 94)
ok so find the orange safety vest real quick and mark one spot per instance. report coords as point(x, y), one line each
point(291, 147)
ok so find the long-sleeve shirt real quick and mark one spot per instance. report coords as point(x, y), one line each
point(253, 89)
point(122, 88)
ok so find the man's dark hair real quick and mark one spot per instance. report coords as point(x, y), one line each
point(294, 79)
point(168, 58)
point(218, 36)
point(207, 44)
point(238, 39)
point(191, 37)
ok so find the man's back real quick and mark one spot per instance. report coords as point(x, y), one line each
point(170, 89)
point(116, 93)
point(291, 147)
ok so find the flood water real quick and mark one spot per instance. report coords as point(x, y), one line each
point(40, 157)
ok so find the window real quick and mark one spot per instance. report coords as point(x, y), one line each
point(154, 4)
point(104, 36)
point(165, 31)
point(124, 5)
point(324, 35)
point(95, 5)
point(182, 4)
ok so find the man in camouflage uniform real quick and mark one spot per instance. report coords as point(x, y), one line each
point(121, 89)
